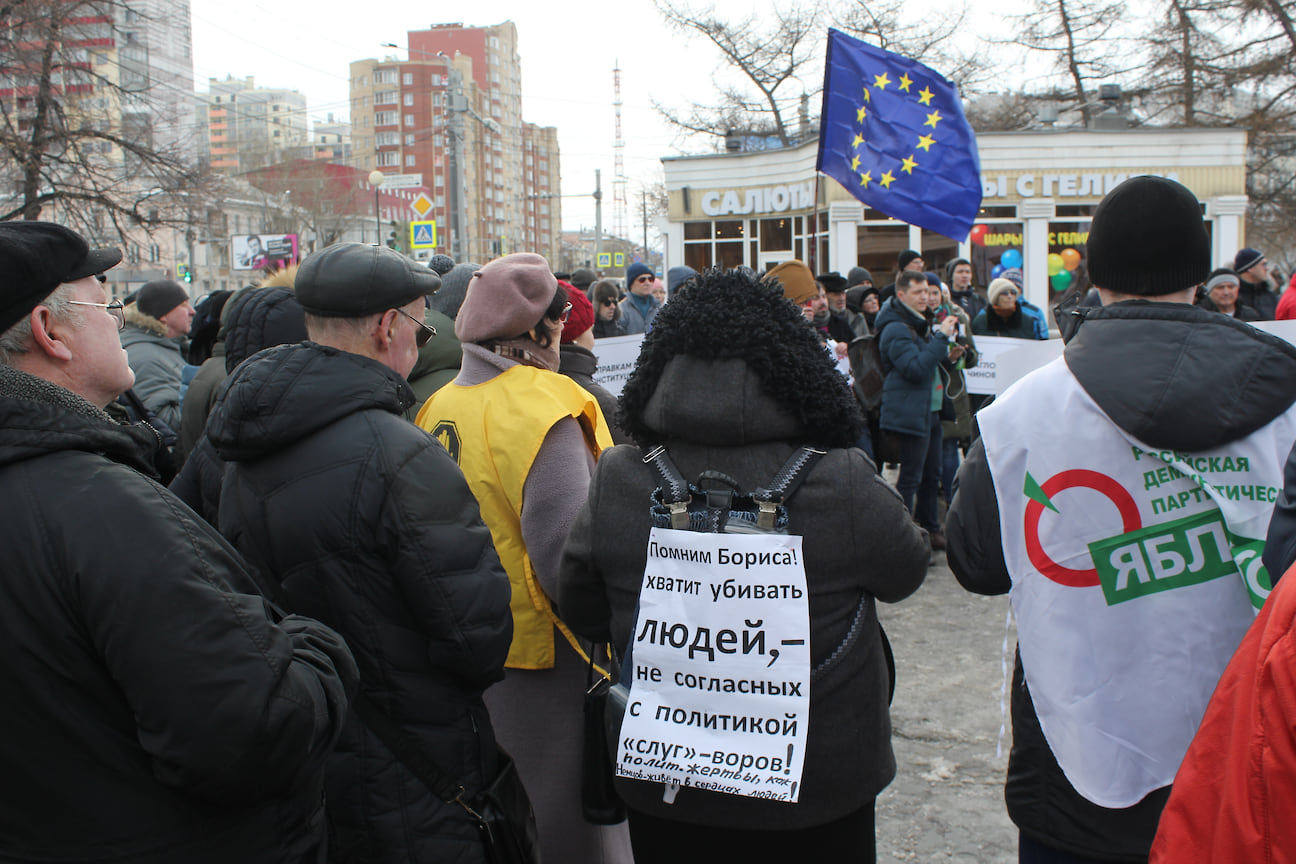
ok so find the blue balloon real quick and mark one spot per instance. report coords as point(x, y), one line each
point(1011, 258)
point(997, 271)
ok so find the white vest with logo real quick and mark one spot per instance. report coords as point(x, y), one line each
point(1135, 573)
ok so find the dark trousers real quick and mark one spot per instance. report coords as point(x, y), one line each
point(920, 469)
point(848, 840)
point(1030, 851)
point(949, 467)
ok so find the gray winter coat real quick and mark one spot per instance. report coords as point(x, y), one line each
point(157, 362)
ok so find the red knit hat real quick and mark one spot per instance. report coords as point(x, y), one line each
point(582, 313)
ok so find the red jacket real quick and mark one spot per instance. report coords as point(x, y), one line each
point(1233, 795)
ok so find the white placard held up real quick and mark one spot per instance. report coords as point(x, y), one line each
point(1004, 360)
point(617, 356)
point(720, 664)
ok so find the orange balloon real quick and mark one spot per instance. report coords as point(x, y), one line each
point(1070, 258)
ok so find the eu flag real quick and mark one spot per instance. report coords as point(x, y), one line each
point(892, 132)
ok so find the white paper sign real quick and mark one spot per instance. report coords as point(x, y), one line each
point(617, 356)
point(721, 666)
point(1004, 360)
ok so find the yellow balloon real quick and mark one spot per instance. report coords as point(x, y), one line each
point(1054, 264)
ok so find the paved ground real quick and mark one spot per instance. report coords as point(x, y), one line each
point(946, 803)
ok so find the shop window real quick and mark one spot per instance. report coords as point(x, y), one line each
point(729, 230)
point(697, 231)
point(775, 234)
point(990, 240)
point(937, 249)
point(878, 247)
point(729, 255)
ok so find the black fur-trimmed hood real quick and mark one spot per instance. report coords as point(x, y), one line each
point(729, 361)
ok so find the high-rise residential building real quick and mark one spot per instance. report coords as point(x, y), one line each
point(250, 127)
point(453, 108)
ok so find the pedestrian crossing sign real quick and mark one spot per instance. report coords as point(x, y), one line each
point(423, 235)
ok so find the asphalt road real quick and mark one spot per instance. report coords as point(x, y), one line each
point(946, 803)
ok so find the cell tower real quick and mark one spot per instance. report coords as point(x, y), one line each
point(619, 228)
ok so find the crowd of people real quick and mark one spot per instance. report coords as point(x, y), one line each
point(304, 586)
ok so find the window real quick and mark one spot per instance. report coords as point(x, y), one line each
point(385, 97)
point(409, 140)
point(436, 100)
point(275, 108)
point(386, 139)
point(440, 180)
point(409, 160)
point(408, 79)
point(438, 141)
point(409, 98)
point(384, 76)
point(384, 118)
point(409, 120)
point(388, 158)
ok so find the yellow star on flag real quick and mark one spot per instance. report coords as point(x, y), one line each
point(886, 180)
point(880, 81)
point(867, 97)
point(855, 164)
point(866, 178)
point(908, 164)
point(860, 114)
point(905, 81)
point(925, 142)
point(857, 141)
point(933, 118)
point(925, 96)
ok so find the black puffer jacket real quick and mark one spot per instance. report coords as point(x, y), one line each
point(859, 541)
point(371, 527)
point(1172, 375)
point(152, 711)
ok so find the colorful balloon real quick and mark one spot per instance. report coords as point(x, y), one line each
point(1070, 259)
point(1060, 280)
point(978, 234)
point(1055, 264)
point(1011, 258)
point(997, 271)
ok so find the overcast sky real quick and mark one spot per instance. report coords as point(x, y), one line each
point(568, 52)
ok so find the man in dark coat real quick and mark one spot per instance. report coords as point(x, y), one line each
point(367, 523)
point(1056, 498)
point(154, 712)
point(1256, 287)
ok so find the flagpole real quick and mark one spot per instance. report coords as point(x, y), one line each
point(814, 240)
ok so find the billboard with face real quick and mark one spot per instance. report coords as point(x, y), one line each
point(258, 251)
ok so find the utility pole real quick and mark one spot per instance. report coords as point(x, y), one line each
point(598, 216)
point(458, 207)
point(643, 200)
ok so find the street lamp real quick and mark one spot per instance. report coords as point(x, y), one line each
point(376, 181)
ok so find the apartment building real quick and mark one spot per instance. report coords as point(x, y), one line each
point(250, 127)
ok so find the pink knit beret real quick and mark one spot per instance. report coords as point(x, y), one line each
point(506, 298)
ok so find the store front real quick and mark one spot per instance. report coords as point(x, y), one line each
point(1039, 191)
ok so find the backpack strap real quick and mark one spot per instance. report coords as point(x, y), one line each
point(785, 482)
point(675, 491)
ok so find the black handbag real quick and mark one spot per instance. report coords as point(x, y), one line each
point(599, 799)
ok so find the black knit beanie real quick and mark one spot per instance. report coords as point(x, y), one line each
point(1148, 238)
point(158, 298)
point(902, 261)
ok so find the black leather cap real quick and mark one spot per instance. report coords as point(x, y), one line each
point(352, 280)
point(37, 257)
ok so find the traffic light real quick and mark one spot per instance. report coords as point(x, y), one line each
point(186, 275)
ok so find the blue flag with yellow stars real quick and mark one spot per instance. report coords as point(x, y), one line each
point(893, 133)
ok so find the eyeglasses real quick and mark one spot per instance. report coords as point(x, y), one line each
point(566, 313)
point(422, 337)
point(115, 309)
point(608, 301)
point(644, 278)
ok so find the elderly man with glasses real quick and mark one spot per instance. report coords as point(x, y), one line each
point(156, 709)
point(356, 516)
point(639, 308)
